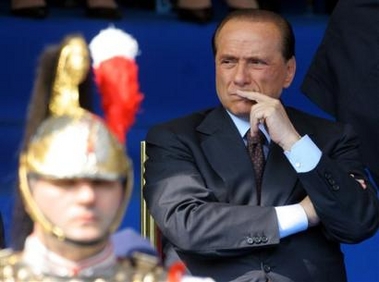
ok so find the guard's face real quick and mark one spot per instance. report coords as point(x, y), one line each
point(249, 57)
point(84, 209)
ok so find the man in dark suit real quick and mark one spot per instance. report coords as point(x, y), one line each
point(201, 185)
point(343, 78)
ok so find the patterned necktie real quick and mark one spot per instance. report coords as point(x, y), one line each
point(255, 148)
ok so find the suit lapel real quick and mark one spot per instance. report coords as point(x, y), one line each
point(279, 175)
point(279, 178)
point(226, 153)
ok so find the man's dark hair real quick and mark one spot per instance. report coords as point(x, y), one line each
point(257, 15)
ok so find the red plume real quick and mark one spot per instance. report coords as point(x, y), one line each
point(116, 75)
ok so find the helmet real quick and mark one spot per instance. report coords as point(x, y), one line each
point(71, 142)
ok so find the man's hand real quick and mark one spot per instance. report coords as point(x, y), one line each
point(360, 181)
point(309, 209)
point(271, 112)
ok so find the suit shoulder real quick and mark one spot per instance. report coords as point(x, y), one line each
point(300, 117)
point(320, 127)
point(295, 113)
point(184, 122)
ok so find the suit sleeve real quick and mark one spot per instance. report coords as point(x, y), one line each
point(348, 212)
point(189, 214)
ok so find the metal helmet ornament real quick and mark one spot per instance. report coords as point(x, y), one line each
point(71, 142)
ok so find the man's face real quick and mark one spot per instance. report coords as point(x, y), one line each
point(84, 209)
point(249, 58)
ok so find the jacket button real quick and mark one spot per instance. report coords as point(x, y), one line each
point(257, 240)
point(250, 240)
point(335, 187)
point(266, 268)
point(331, 181)
point(264, 239)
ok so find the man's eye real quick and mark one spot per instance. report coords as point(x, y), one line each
point(227, 61)
point(66, 183)
point(257, 62)
point(100, 182)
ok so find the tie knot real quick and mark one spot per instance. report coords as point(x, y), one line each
point(256, 139)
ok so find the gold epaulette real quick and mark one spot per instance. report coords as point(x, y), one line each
point(139, 268)
point(11, 266)
point(147, 268)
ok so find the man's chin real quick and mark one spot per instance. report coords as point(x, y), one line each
point(243, 113)
point(88, 238)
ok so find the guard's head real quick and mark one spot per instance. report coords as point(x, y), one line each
point(68, 149)
point(71, 149)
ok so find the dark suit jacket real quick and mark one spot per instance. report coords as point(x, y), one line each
point(343, 78)
point(201, 191)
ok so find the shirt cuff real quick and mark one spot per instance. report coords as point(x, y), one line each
point(304, 155)
point(291, 219)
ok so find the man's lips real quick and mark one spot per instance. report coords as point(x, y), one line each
point(237, 98)
point(234, 94)
point(87, 217)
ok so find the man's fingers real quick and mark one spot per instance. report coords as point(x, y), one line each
point(361, 181)
point(251, 95)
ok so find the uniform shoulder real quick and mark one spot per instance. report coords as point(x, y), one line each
point(143, 265)
point(10, 264)
point(8, 256)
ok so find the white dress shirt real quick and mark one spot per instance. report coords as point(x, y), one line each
point(303, 156)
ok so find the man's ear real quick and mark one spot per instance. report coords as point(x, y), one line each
point(291, 70)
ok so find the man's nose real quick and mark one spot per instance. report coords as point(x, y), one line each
point(86, 191)
point(242, 75)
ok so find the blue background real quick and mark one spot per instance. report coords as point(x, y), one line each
point(176, 76)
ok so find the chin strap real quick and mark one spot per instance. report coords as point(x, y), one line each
point(87, 243)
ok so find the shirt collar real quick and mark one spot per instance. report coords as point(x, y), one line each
point(243, 126)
